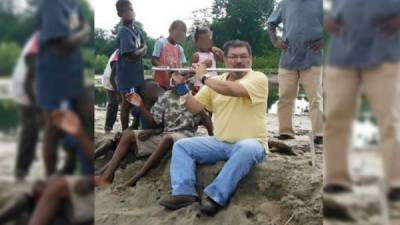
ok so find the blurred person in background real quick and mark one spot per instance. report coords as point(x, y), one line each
point(113, 97)
point(60, 78)
point(30, 115)
point(300, 61)
point(363, 57)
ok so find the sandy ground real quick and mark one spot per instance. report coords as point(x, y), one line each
point(282, 190)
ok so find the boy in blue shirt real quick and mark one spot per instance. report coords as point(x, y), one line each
point(131, 50)
point(59, 65)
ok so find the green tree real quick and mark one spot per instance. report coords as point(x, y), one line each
point(100, 64)
point(9, 52)
point(242, 19)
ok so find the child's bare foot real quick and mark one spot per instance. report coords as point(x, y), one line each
point(101, 181)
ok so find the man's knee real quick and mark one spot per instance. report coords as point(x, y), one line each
point(180, 146)
point(250, 149)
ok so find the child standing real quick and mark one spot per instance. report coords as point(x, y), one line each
point(206, 53)
point(109, 84)
point(60, 80)
point(131, 50)
point(168, 52)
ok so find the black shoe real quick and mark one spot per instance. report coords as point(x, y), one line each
point(208, 206)
point(285, 137)
point(394, 194)
point(336, 189)
point(178, 201)
point(319, 140)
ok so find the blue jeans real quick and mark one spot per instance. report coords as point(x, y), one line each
point(240, 157)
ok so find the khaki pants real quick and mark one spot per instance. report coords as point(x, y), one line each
point(311, 79)
point(343, 87)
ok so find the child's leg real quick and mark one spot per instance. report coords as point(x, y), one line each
point(125, 108)
point(14, 209)
point(51, 136)
point(128, 137)
point(163, 147)
point(103, 149)
point(45, 209)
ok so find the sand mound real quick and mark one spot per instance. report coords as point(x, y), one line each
point(282, 188)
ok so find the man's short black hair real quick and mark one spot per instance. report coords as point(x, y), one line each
point(176, 24)
point(200, 31)
point(235, 44)
point(121, 4)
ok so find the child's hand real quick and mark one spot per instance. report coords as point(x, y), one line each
point(208, 63)
point(218, 53)
point(134, 99)
point(140, 52)
point(144, 135)
point(390, 26)
point(67, 121)
point(281, 45)
point(317, 45)
point(332, 26)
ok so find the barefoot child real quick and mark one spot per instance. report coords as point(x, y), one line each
point(132, 48)
point(60, 80)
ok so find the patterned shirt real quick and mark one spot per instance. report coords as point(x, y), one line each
point(175, 116)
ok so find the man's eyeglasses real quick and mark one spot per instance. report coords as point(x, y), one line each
point(237, 57)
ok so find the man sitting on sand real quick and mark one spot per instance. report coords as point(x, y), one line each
point(238, 101)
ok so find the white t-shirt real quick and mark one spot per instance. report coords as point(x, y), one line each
point(107, 72)
point(20, 71)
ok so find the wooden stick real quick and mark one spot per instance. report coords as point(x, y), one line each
point(312, 148)
point(290, 219)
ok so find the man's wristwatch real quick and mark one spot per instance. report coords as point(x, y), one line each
point(204, 78)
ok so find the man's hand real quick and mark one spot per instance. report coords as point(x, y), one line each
point(178, 78)
point(200, 69)
point(134, 99)
point(390, 26)
point(332, 26)
point(67, 121)
point(317, 45)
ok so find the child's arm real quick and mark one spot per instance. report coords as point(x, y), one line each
point(155, 61)
point(69, 122)
point(29, 81)
point(78, 38)
point(206, 121)
point(219, 54)
point(195, 58)
point(140, 52)
point(113, 75)
point(136, 100)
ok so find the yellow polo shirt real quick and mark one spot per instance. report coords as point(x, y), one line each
point(238, 118)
